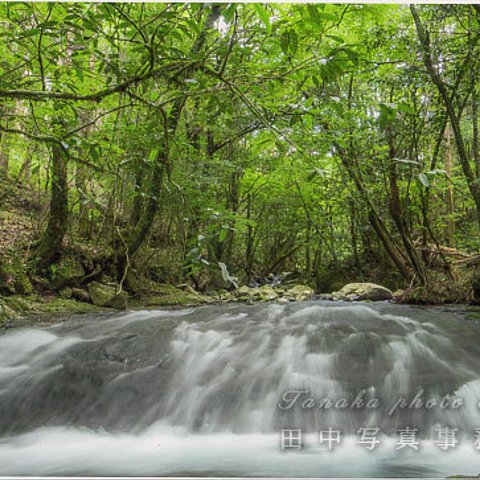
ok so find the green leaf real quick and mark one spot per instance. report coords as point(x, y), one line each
point(281, 147)
point(230, 12)
point(336, 38)
point(293, 42)
point(152, 155)
point(289, 42)
point(264, 15)
point(327, 16)
point(424, 179)
point(405, 108)
point(222, 235)
point(313, 12)
point(308, 120)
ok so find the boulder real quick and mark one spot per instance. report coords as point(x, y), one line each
point(119, 301)
point(81, 295)
point(66, 292)
point(162, 294)
point(67, 271)
point(257, 294)
point(266, 293)
point(363, 291)
point(106, 296)
point(299, 293)
point(245, 292)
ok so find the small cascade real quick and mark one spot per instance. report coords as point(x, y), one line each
point(107, 392)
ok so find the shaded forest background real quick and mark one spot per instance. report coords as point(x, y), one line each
point(219, 145)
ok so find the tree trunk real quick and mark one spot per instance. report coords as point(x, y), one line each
point(49, 247)
point(470, 176)
point(450, 199)
point(397, 212)
point(4, 156)
point(249, 252)
point(161, 166)
point(377, 223)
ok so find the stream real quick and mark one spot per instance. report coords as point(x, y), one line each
point(307, 389)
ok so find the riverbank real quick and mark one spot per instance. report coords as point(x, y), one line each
point(22, 310)
point(45, 309)
point(73, 285)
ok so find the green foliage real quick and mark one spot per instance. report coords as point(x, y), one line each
point(283, 112)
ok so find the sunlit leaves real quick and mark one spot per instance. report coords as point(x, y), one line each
point(264, 15)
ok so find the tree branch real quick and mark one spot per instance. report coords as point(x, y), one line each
point(91, 97)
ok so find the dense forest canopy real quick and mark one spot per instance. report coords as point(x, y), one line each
point(201, 142)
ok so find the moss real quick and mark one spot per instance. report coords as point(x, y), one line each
point(21, 304)
point(299, 293)
point(22, 283)
point(185, 300)
point(61, 305)
point(19, 310)
point(107, 296)
point(100, 294)
point(363, 292)
point(66, 292)
point(67, 269)
point(266, 293)
point(168, 295)
point(13, 277)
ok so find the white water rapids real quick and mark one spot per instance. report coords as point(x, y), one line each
point(204, 391)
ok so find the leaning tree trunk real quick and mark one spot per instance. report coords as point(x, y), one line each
point(437, 80)
point(392, 249)
point(397, 212)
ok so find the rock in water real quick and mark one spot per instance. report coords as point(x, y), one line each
point(363, 291)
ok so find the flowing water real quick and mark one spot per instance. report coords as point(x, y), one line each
point(208, 391)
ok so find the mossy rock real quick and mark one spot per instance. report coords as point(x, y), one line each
point(267, 293)
point(299, 293)
point(363, 291)
point(119, 301)
point(81, 295)
point(6, 312)
point(162, 294)
point(21, 304)
point(256, 294)
point(69, 268)
point(64, 305)
point(66, 292)
point(14, 279)
point(245, 292)
point(106, 296)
